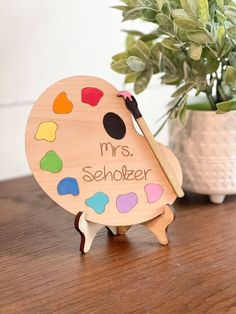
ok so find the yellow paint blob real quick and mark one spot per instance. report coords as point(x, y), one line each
point(46, 131)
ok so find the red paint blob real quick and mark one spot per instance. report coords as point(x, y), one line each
point(91, 95)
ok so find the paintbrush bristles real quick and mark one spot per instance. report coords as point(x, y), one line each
point(131, 104)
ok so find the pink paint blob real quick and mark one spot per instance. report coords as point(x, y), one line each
point(153, 192)
point(125, 94)
point(91, 95)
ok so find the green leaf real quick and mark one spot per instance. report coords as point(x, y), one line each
point(226, 106)
point(120, 66)
point(187, 24)
point(132, 14)
point(201, 37)
point(136, 64)
point(180, 14)
point(149, 37)
point(159, 4)
point(213, 32)
point(120, 56)
point(213, 52)
point(156, 54)
point(220, 3)
point(142, 80)
point(143, 48)
point(226, 48)
point(140, 50)
point(129, 2)
point(230, 76)
point(203, 10)
point(182, 34)
point(149, 15)
point(182, 109)
point(165, 24)
point(220, 36)
point(232, 32)
point(169, 65)
point(151, 5)
point(209, 60)
point(133, 32)
point(188, 75)
point(211, 66)
point(130, 41)
point(170, 79)
point(120, 7)
point(195, 51)
point(147, 3)
point(183, 90)
point(130, 77)
point(232, 58)
point(164, 20)
point(156, 49)
point(170, 43)
point(230, 12)
point(190, 7)
point(163, 124)
point(221, 18)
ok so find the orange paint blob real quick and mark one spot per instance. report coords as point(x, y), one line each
point(62, 104)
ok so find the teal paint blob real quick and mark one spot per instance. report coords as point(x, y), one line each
point(98, 202)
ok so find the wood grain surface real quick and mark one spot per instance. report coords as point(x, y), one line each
point(42, 270)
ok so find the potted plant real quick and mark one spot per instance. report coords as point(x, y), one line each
point(192, 46)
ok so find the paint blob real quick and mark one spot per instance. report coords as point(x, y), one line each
point(114, 125)
point(51, 162)
point(68, 185)
point(91, 95)
point(125, 94)
point(98, 202)
point(61, 104)
point(46, 131)
point(126, 202)
point(153, 192)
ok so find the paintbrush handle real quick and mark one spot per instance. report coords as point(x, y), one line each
point(132, 106)
point(156, 149)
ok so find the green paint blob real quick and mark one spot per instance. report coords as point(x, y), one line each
point(51, 162)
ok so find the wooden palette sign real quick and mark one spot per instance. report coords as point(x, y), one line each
point(85, 153)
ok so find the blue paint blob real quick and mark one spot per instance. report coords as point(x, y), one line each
point(68, 186)
point(98, 202)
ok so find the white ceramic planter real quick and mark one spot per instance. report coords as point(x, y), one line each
point(206, 148)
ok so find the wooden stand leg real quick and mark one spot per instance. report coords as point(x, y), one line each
point(123, 229)
point(87, 230)
point(159, 224)
point(113, 229)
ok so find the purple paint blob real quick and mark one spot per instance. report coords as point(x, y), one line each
point(126, 202)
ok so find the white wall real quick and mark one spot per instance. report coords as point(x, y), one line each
point(43, 41)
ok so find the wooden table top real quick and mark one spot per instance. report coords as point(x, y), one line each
point(42, 270)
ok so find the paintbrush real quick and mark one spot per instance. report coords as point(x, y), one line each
point(132, 106)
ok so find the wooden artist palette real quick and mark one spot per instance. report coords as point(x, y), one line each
point(85, 153)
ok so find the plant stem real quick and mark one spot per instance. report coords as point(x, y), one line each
point(211, 100)
point(221, 93)
point(219, 90)
point(168, 113)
